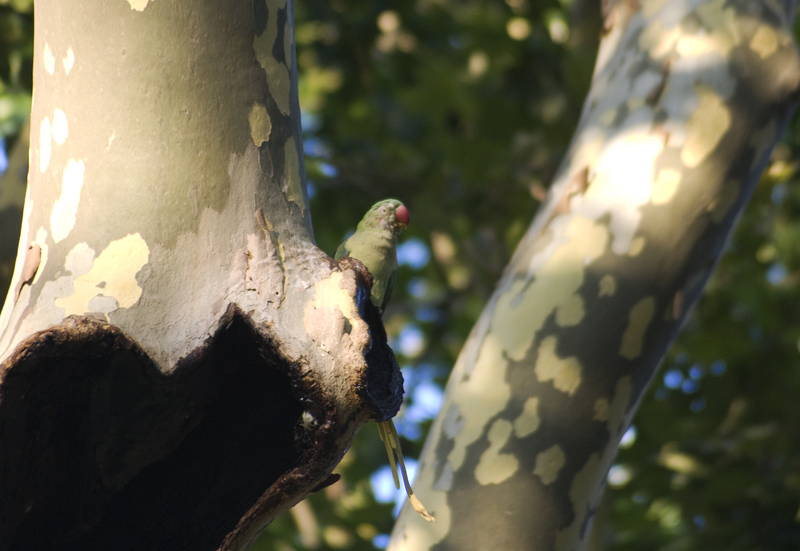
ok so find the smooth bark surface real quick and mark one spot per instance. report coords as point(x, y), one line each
point(687, 100)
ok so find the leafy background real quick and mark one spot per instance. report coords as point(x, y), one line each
point(463, 109)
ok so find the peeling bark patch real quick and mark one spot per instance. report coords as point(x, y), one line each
point(638, 320)
point(331, 296)
point(528, 421)
point(706, 126)
point(60, 129)
point(764, 41)
point(138, 5)
point(260, 124)
point(112, 275)
point(665, 186)
point(294, 185)
point(48, 59)
point(637, 246)
point(607, 286)
point(570, 312)
point(68, 60)
point(549, 464)
point(564, 372)
point(277, 71)
point(495, 467)
point(45, 136)
point(64, 213)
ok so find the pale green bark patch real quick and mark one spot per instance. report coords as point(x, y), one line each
point(601, 408)
point(607, 286)
point(570, 312)
point(564, 372)
point(112, 275)
point(528, 421)
point(665, 186)
point(495, 467)
point(638, 320)
point(549, 463)
point(764, 41)
point(260, 124)
point(705, 127)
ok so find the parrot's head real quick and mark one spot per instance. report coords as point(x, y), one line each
point(389, 214)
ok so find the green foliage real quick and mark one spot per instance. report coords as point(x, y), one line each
point(16, 64)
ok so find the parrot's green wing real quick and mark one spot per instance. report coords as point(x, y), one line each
point(388, 292)
point(341, 250)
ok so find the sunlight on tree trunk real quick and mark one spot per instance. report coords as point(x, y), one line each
point(686, 104)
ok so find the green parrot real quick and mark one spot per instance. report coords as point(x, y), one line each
point(374, 244)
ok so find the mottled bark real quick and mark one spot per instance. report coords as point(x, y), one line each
point(687, 101)
point(178, 361)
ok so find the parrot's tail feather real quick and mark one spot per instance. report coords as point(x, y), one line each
point(391, 440)
point(386, 438)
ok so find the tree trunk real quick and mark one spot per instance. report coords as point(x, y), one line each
point(685, 106)
point(180, 362)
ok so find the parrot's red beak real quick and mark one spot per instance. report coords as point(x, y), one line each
point(402, 216)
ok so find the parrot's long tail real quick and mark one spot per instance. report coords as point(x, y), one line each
point(392, 442)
